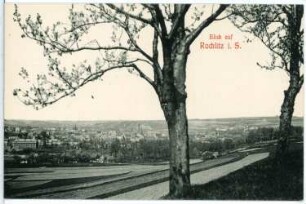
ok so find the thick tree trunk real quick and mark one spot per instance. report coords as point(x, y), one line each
point(287, 110)
point(172, 95)
point(296, 81)
point(179, 146)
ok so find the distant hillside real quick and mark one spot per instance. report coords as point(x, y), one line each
point(154, 124)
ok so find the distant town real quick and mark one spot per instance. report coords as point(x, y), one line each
point(57, 143)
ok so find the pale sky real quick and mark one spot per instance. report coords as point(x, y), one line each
point(220, 83)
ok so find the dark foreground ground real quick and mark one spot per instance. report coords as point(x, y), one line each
point(79, 187)
point(264, 180)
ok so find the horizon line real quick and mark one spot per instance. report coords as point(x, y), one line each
point(217, 118)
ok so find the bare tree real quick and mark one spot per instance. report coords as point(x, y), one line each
point(170, 43)
point(280, 29)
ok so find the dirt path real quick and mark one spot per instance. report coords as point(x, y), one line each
point(155, 192)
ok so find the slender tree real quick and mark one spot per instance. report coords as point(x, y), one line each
point(280, 29)
point(170, 38)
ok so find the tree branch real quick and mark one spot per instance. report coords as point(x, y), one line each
point(194, 34)
point(156, 67)
point(160, 19)
point(69, 50)
point(225, 17)
point(142, 75)
point(180, 18)
point(143, 20)
point(139, 49)
point(45, 101)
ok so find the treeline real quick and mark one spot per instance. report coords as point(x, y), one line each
point(94, 151)
point(142, 151)
point(268, 133)
point(115, 151)
point(214, 145)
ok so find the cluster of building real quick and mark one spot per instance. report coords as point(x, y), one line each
point(20, 138)
point(20, 144)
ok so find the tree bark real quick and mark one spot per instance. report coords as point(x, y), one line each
point(179, 145)
point(287, 110)
point(296, 81)
point(173, 96)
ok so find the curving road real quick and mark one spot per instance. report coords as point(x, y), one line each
point(155, 192)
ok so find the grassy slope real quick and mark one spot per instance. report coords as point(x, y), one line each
point(264, 180)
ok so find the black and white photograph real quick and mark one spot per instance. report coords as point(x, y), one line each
point(153, 101)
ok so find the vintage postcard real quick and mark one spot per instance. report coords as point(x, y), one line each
point(153, 101)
